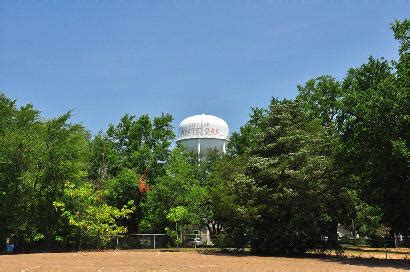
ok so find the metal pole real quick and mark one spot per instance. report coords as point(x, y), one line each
point(385, 248)
point(176, 230)
point(154, 241)
point(199, 150)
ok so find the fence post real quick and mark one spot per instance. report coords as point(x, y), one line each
point(385, 248)
point(154, 241)
point(117, 243)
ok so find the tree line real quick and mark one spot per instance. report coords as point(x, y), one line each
point(336, 154)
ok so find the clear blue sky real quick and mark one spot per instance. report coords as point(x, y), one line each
point(103, 59)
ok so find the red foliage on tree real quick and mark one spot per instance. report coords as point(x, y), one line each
point(142, 185)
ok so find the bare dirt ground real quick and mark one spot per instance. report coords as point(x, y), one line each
point(185, 261)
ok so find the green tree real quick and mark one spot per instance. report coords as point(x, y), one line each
point(322, 99)
point(179, 186)
point(143, 144)
point(296, 185)
point(38, 156)
point(94, 223)
point(136, 150)
point(20, 143)
point(375, 137)
point(368, 112)
point(229, 202)
point(240, 143)
point(177, 215)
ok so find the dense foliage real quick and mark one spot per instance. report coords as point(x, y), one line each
point(336, 154)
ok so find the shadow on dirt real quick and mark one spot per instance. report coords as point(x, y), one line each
point(359, 261)
point(370, 262)
point(389, 250)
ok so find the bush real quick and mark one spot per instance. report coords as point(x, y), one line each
point(230, 240)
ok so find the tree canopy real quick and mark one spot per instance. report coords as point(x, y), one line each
point(338, 153)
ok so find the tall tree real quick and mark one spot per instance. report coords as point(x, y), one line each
point(93, 223)
point(37, 157)
point(322, 99)
point(297, 193)
point(179, 186)
point(132, 155)
point(143, 144)
point(375, 138)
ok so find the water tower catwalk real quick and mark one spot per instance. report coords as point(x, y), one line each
point(201, 133)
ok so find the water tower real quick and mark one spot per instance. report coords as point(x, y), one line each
point(201, 133)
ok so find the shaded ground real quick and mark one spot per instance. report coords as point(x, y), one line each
point(371, 252)
point(185, 261)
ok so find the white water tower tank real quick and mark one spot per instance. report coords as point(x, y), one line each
point(200, 133)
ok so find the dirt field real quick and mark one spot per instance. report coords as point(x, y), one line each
point(183, 261)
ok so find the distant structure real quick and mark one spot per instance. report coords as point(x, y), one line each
point(201, 133)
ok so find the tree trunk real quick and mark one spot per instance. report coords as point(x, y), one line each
point(333, 235)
